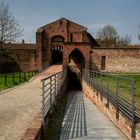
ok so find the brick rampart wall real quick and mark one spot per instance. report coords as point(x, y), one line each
point(117, 59)
point(25, 56)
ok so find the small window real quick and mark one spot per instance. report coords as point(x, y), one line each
point(103, 62)
point(60, 22)
point(71, 37)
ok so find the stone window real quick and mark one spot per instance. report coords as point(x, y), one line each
point(60, 22)
point(103, 62)
point(71, 37)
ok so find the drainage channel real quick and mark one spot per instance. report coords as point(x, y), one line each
point(56, 121)
point(74, 121)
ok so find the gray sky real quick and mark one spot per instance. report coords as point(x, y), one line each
point(124, 15)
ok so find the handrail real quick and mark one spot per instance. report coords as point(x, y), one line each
point(115, 94)
point(50, 76)
point(51, 88)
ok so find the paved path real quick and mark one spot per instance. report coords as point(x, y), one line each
point(20, 105)
point(83, 121)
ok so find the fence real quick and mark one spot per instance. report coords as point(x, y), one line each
point(11, 79)
point(118, 90)
point(51, 89)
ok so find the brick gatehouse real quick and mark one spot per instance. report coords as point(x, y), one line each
point(64, 41)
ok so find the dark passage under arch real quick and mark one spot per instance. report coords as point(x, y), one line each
point(57, 57)
point(57, 51)
point(77, 58)
point(76, 64)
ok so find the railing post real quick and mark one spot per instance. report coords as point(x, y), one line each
point(56, 85)
point(101, 86)
point(19, 77)
point(50, 91)
point(13, 78)
point(117, 110)
point(97, 83)
point(133, 133)
point(43, 104)
point(107, 90)
point(24, 75)
point(5, 80)
point(92, 79)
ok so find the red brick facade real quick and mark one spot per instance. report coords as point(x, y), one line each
point(56, 41)
point(64, 36)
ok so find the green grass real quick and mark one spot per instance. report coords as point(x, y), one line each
point(124, 86)
point(13, 79)
point(54, 127)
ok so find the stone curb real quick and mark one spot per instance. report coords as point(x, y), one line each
point(33, 132)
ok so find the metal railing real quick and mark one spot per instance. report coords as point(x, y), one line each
point(118, 90)
point(51, 88)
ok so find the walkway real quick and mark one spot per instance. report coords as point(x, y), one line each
point(83, 121)
point(20, 105)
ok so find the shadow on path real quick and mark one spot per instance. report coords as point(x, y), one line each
point(74, 122)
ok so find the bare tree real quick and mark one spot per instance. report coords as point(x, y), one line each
point(124, 40)
point(10, 29)
point(109, 37)
point(139, 34)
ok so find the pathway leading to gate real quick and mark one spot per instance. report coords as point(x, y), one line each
point(83, 121)
point(20, 105)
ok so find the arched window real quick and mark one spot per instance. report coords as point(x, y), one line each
point(71, 37)
point(57, 38)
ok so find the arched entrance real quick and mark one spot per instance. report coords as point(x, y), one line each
point(57, 49)
point(76, 61)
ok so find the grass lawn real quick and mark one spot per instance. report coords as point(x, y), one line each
point(13, 79)
point(124, 85)
point(54, 126)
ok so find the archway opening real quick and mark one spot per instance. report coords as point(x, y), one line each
point(57, 57)
point(57, 49)
point(76, 64)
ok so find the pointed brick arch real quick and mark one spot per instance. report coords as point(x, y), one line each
point(78, 57)
point(83, 49)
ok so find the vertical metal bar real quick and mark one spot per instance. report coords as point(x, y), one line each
point(101, 86)
point(43, 103)
point(55, 85)
point(107, 90)
point(19, 77)
point(50, 91)
point(28, 73)
point(133, 133)
point(117, 110)
point(24, 75)
point(5, 80)
point(97, 83)
point(13, 78)
point(92, 79)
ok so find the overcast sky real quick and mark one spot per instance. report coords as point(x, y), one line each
point(124, 15)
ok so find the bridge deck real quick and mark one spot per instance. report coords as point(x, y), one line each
point(19, 106)
point(83, 121)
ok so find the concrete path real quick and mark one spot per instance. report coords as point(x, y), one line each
point(20, 105)
point(83, 121)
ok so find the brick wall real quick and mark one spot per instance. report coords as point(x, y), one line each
point(117, 59)
point(61, 27)
point(83, 48)
point(25, 56)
